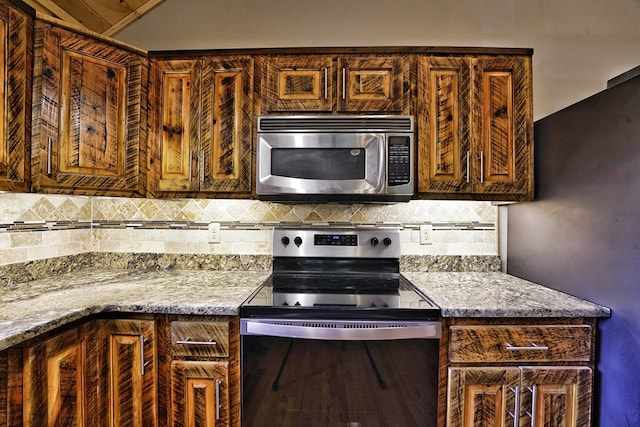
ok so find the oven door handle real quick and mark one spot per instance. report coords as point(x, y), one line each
point(347, 331)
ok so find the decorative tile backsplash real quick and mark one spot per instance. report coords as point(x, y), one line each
point(34, 226)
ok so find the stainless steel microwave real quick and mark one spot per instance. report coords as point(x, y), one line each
point(335, 158)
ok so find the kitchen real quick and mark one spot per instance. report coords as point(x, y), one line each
point(450, 220)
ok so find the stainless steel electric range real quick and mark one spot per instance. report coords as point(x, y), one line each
point(339, 334)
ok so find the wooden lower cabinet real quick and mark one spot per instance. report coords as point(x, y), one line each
point(128, 373)
point(200, 394)
point(520, 396)
point(100, 373)
point(516, 372)
point(204, 371)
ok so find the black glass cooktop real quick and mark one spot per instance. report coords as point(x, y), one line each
point(339, 296)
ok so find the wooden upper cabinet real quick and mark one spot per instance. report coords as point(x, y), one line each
point(503, 126)
point(90, 114)
point(475, 127)
point(444, 124)
point(323, 83)
point(16, 67)
point(227, 114)
point(299, 83)
point(200, 142)
point(175, 124)
point(373, 84)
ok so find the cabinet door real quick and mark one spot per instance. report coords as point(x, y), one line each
point(556, 396)
point(200, 394)
point(90, 118)
point(175, 120)
point(128, 373)
point(373, 84)
point(16, 47)
point(226, 99)
point(502, 162)
point(54, 382)
point(299, 83)
point(482, 397)
point(443, 123)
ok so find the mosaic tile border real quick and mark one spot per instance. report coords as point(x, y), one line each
point(27, 226)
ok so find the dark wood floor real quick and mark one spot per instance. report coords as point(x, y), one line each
point(332, 383)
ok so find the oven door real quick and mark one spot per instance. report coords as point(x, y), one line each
point(321, 163)
point(349, 373)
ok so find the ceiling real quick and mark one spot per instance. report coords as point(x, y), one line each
point(106, 17)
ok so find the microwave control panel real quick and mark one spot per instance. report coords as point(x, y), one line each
point(398, 160)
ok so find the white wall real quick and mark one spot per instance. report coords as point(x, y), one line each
point(578, 44)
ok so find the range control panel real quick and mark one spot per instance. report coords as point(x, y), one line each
point(347, 242)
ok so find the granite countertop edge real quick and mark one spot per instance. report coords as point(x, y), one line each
point(34, 308)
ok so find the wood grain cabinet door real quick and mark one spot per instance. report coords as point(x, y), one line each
point(201, 114)
point(199, 394)
point(299, 83)
point(443, 123)
point(226, 117)
point(174, 117)
point(90, 118)
point(373, 84)
point(16, 47)
point(502, 161)
point(556, 396)
point(128, 373)
point(485, 397)
point(54, 382)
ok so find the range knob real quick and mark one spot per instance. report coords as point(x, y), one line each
point(297, 240)
point(285, 240)
point(386, 241)
point(374, 241)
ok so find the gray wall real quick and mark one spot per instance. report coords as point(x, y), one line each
point(578, 44)
point(582, 234)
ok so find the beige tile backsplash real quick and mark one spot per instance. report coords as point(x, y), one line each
point(36, 226)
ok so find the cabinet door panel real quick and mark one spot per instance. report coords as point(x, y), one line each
point(54, 382)
point(128, 373)
point(372, 84)
point(200, 396)
point(226, 125)
point(174, 146)
point(556, 396)
point(16, 48)
point(482, 396)
point(91, 115)
point(503, 160)
point(443, 115)
point(299, 83)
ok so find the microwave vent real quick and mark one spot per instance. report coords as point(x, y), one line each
point(335, 123)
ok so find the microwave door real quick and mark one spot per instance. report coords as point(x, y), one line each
point(321, 163)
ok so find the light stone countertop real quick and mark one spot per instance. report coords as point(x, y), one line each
point(495, 294)
point(33, 308)
point(39, 306)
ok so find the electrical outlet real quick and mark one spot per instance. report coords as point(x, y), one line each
point(214, 232)
point(426, 234)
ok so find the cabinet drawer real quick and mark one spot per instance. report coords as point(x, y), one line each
point(200, 339)
point(520, 343)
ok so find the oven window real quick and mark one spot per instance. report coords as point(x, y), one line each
point(331, 164)
point(298, 382)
